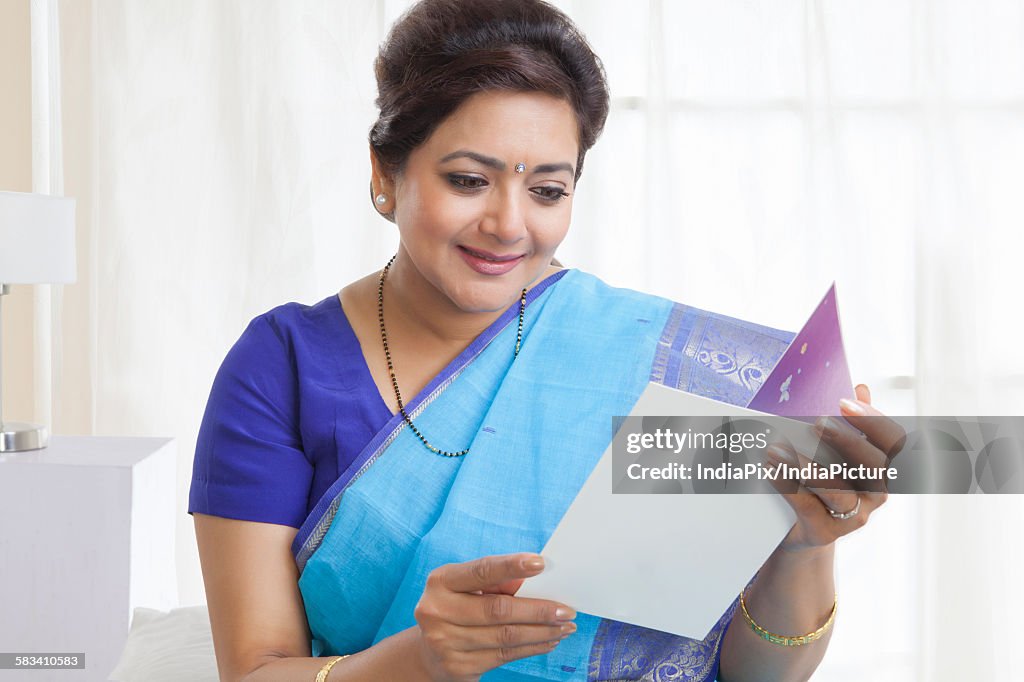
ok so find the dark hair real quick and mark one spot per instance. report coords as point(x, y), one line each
point(441, 52)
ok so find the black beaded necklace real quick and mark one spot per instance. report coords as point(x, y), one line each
point(391, 367)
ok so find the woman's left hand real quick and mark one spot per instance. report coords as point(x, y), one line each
point(882, 438)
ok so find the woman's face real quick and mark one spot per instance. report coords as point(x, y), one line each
point(471, 226)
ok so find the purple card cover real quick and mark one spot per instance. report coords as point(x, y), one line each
point(812, 375)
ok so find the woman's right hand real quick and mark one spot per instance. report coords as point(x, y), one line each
point(471, 622)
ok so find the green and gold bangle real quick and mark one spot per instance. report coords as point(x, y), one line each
point(326, 670)
point(785, 640)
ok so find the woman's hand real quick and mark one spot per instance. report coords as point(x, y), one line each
point(470, 622)
point(881, 440)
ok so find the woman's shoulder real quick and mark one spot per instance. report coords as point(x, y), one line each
point(295, 323)
point(587, 290)
point(587, 285)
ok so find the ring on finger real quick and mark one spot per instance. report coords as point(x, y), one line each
point(843, 516)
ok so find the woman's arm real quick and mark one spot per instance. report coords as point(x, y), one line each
point(257, 617)
point(795, 589)
point(793, 595)
point(394, 659)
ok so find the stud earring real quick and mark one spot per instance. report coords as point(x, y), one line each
point(381, 199)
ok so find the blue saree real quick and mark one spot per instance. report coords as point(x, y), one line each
point(536, 426)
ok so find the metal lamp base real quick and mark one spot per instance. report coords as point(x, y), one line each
point(19, 436)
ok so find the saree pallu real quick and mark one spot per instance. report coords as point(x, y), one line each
point(536, 426)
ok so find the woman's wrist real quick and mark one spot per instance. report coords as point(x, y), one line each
point(794, 545)
point(398, 657)
point(417, 655)
point(794, 585)
point(420, 655)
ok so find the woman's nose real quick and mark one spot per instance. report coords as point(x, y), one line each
point(505, 219)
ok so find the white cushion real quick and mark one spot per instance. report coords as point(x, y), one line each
point(168, 647)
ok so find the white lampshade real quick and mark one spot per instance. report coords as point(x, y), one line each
point(37, 239)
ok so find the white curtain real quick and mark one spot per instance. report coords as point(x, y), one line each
point(755, 152)
point(47, 178)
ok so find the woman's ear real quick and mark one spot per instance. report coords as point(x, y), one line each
point(380, 179)
point(381, 187)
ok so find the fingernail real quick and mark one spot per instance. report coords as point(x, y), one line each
point(568, 629)
point(775, 452)
point(826, 427)
point(564, 613)
point(533, 563)
point(851, 406)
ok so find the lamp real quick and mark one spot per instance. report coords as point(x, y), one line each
point(37, 246)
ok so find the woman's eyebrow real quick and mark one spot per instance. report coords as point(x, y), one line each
point(489, 161)
point(499, 165)
point(552, 168)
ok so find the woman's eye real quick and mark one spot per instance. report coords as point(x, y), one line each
point(467, 181)
point(551, 194)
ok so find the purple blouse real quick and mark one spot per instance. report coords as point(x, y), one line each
point(291, 406)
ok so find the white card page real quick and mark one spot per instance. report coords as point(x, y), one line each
point(669, 562)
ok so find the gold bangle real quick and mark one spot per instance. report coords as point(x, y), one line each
point(326, 670)
point(785, 640)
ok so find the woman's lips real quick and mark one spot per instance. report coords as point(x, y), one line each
point(487, 263)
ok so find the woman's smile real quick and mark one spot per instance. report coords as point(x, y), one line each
point(487, 263)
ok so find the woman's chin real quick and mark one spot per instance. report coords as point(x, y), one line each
point(485, 307)
point(480, 295)
point(483, 302)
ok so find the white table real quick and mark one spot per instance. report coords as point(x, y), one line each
point(86, 535)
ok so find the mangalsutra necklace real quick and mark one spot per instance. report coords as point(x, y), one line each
point(391, 367)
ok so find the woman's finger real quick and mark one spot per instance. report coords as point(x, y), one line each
point(508, 636)
point(488, 659)
point(855, 449)
point(884, 433)
point(486, 573)
point(837, 495)
point(474, 610)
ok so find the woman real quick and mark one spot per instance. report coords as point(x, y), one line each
point(375, 473)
